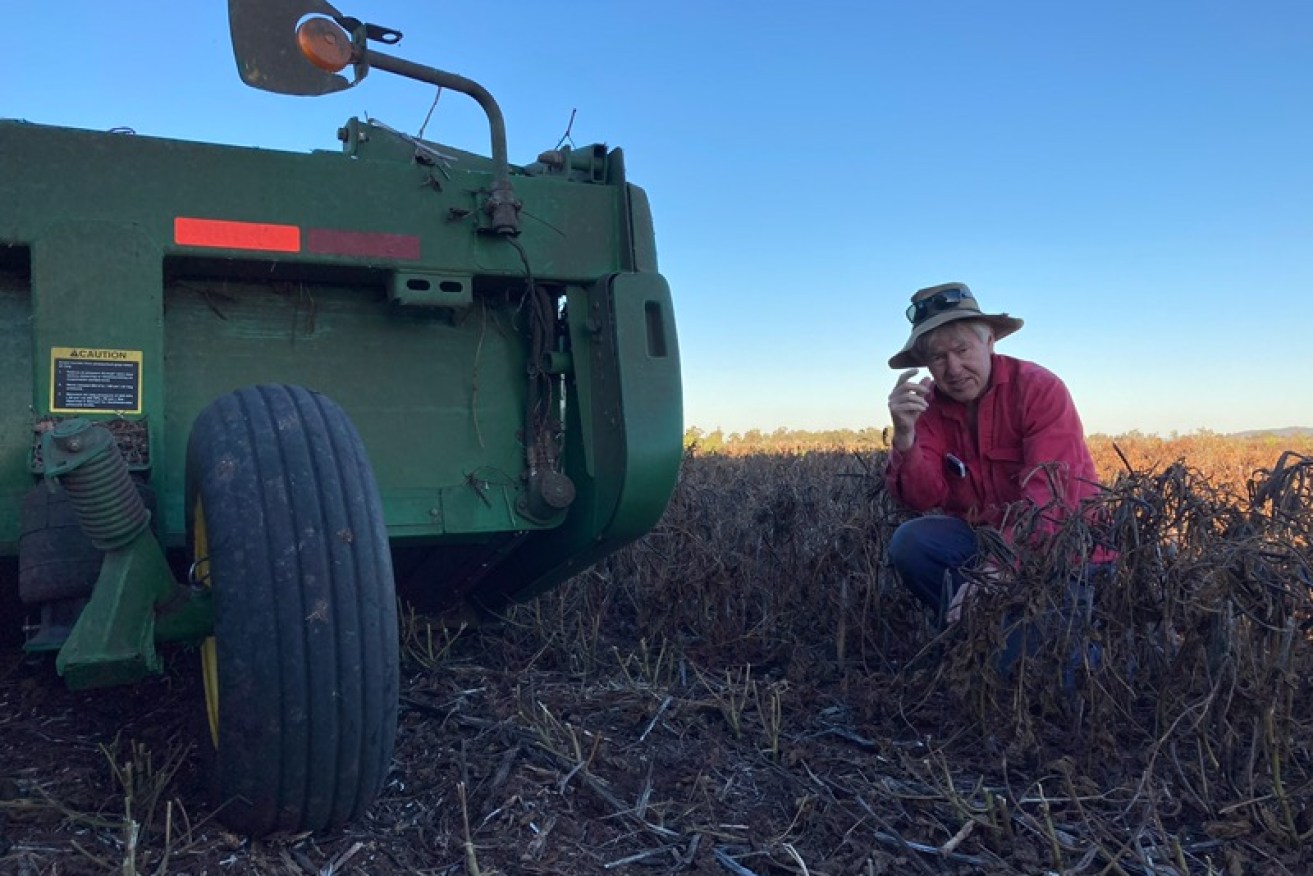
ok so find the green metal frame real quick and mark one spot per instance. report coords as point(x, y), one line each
point(398, 300)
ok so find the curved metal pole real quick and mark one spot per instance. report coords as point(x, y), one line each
point(502, 205)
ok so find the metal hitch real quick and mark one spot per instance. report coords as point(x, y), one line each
point(113, 641)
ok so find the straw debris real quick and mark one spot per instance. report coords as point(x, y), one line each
point(748, 691)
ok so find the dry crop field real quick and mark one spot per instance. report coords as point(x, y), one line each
point(746, 691)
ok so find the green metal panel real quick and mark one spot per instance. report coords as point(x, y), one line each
point(438, 403)
point(625, 432)
point(651, 401)
point(570, 230)
point(640, 221)
point(97, 286)
point(437, 394)
point(113, 641)
point(16, 420)
point(379, 280)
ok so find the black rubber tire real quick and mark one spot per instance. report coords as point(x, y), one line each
point(57, 560)
point(305, 619)
point(12, 612)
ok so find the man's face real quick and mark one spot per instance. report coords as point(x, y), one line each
point(959, 361)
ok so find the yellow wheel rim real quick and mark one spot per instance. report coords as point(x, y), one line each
point(209, 653)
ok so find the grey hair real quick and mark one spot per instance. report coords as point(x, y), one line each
point(983, 330)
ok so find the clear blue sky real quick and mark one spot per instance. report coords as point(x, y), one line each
point(1133, 178)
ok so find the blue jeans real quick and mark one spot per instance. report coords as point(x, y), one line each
point(929, 554)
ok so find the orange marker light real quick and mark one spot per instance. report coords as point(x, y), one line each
point(324, 44)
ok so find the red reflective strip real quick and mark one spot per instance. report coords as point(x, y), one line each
point(226, 234)
point(362, 243)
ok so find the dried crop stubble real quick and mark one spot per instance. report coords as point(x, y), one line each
point(748, 688)
point(1187, 724)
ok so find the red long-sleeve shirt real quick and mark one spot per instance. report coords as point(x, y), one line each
point(1025, 420)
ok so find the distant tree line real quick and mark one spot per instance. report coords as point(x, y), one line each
point(783, 440)
point(1232, 456)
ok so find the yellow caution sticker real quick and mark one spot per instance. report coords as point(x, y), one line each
point(88, 380)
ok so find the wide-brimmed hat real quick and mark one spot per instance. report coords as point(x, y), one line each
point(937, 306)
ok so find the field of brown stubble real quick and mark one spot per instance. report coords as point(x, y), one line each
point(748, 691)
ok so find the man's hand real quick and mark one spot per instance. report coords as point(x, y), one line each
point(954, 613)
point(989, 573)
point(906, 405)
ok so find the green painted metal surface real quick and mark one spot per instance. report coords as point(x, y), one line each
point(113, 641)
point(16, 381)
point(141, 278)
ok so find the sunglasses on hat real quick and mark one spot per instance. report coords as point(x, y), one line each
point(918, 311)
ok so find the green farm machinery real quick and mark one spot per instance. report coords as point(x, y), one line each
point(257, 396)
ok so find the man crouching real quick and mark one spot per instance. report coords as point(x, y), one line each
point(968, 441)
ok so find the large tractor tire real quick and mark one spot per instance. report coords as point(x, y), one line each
point(287, 528)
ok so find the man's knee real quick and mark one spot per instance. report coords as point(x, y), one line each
point(946, 539)
point(905, 548)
